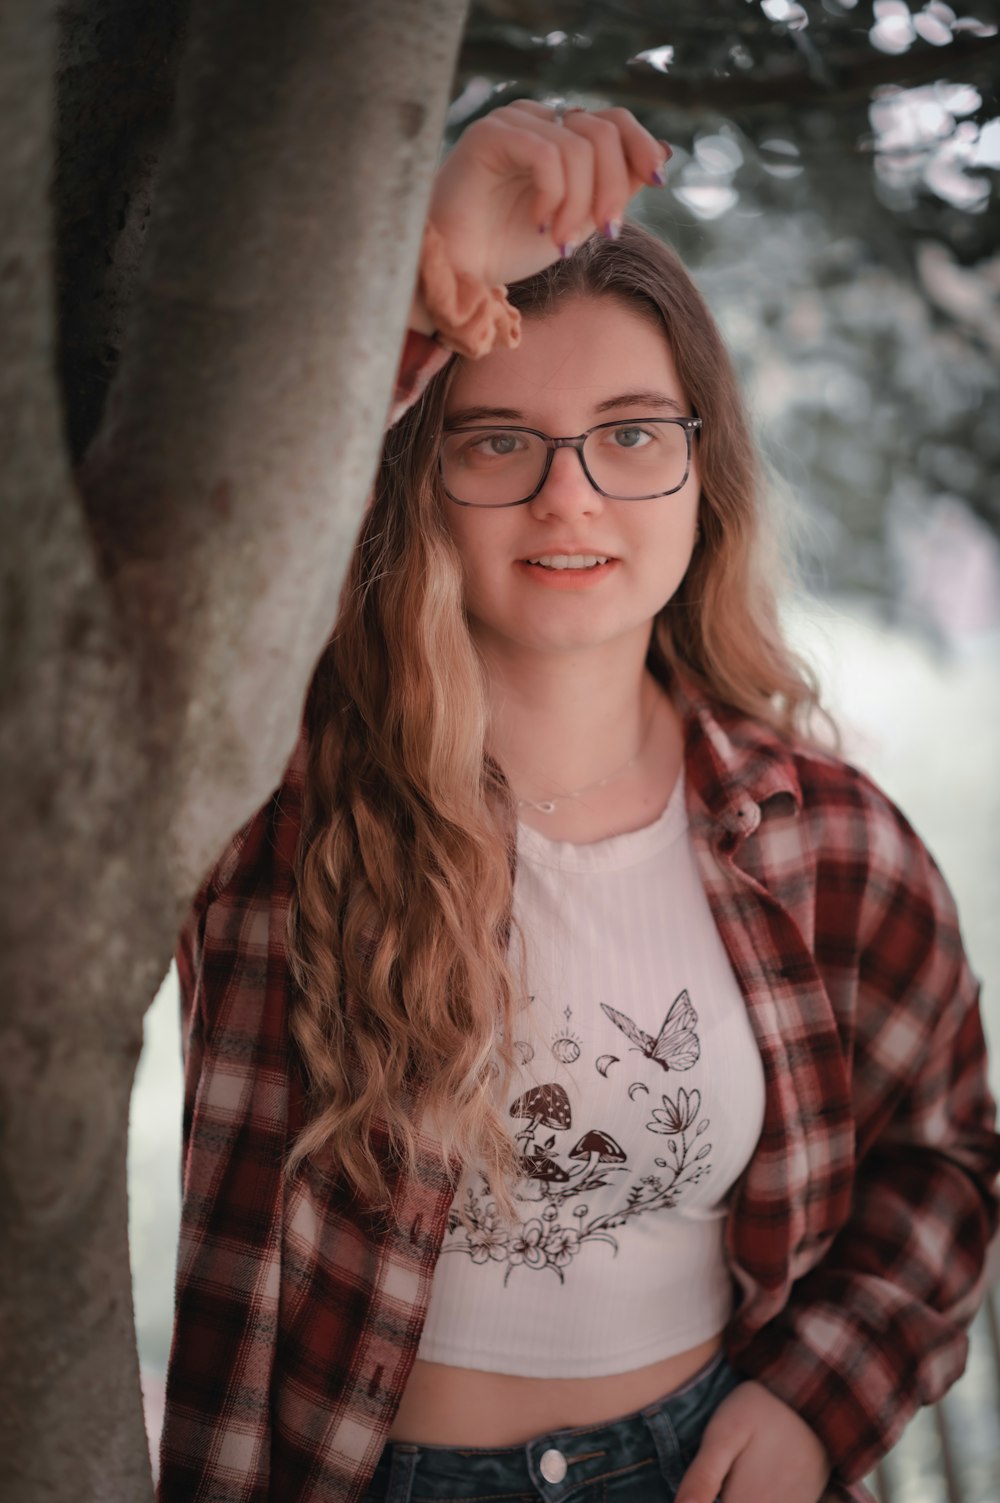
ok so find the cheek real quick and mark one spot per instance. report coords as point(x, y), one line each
point(480, 542)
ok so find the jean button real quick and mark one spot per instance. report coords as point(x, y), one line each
point(553, 1466)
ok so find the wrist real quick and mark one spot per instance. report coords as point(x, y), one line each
point(462, 313)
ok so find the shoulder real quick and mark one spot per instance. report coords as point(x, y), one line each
point(830, 818)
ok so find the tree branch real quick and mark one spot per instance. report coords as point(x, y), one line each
point(787, 82)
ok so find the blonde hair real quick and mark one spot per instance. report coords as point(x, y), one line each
point(400, 929)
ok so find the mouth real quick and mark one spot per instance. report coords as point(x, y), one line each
point(560, 561)
point(568, 571)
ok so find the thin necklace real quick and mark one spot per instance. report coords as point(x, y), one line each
point(548, 805)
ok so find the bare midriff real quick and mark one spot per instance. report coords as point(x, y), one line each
point(459, 1406)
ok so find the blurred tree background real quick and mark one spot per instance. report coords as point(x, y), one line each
point(834, 186)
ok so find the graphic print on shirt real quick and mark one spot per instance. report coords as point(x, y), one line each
point(565, 1044)
point(676, 1046)
point(561, 1165)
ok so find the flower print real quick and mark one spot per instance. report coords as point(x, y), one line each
point(676, 1117)
point(526, 1245)
point(487, 1239)
point(562, 1244)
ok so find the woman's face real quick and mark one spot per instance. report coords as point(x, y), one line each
point(593, 361)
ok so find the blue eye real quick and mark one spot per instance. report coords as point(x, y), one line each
point(505, 443)
point(495, 445)
point(630, 430)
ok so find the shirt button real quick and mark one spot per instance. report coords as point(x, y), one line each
point(553, 1466)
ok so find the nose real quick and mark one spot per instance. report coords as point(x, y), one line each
point(567, 492)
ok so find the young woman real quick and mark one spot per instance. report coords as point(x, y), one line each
point(586, 1091)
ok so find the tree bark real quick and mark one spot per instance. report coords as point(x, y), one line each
point(162, 617)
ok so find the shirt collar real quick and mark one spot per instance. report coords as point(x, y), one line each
point(734, 763)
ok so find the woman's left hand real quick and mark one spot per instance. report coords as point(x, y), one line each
point(755, 1447)
point(517, 171)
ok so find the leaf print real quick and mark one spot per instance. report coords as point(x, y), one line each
point(539, 1165)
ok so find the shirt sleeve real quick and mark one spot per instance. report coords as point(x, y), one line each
point(421, 359)
point(878, 1327)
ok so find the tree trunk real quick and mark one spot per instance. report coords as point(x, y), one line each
point(161, 619)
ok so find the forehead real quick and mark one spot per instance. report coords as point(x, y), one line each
point(587, 351)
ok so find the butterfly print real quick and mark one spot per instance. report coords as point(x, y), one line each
point(676, 1046)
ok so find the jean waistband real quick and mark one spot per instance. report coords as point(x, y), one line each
point(557, 1462)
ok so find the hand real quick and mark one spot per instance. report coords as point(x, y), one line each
point(517, 172)
point(756, 1447)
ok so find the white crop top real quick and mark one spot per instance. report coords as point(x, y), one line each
point(639, 1102)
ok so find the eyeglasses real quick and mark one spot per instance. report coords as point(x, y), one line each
point(634, 461)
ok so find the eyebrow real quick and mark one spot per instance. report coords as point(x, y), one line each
point(656, 400)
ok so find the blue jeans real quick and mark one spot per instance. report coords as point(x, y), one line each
point(640, 1458)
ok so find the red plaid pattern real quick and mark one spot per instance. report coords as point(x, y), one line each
point(856, 1236)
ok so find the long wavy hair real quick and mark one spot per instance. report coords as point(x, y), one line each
point(401, 924)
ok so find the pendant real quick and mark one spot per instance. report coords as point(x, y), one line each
point(547, 807)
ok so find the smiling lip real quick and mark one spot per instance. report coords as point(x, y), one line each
point(567, 579)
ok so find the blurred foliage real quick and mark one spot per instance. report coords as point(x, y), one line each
point(834, 187)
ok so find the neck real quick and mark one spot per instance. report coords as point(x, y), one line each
point(564, 721)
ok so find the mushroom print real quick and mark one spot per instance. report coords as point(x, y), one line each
point(599, 1144)
point(595, 1151)
point(543, 1106)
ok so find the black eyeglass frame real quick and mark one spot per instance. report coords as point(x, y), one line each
point(689, 424)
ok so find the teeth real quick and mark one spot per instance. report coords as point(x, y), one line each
point(569, 560)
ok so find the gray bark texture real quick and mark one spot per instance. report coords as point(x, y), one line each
point(162, 609)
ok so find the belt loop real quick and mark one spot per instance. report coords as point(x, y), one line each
point(668, 1448)
point(401, 1470)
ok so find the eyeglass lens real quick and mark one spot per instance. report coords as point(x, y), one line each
point(498, 467)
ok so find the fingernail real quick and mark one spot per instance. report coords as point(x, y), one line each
point(567, 250)
point(613, 228)
point(660, 174)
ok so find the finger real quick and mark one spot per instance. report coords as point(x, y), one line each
point(612, 189)
point(539, 159)
point(646, 157)
point(704, 1478)
point(570, 217)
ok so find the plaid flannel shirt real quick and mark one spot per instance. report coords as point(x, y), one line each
point(856, 1235)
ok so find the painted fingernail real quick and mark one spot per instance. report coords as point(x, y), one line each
point(567, 250)
point(660, 173)
point(612, 228)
